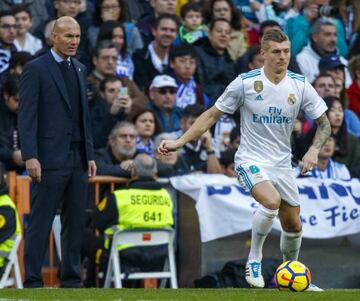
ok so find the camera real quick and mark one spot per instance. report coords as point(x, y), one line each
point(328, 11)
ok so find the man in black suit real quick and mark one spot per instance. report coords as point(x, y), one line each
point(57, 148)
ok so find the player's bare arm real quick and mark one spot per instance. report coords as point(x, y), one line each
point(200, 126)
point(323, 132)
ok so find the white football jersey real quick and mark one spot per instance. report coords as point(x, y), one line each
point(268, 112)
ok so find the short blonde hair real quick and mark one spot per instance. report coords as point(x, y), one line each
point(274, 35)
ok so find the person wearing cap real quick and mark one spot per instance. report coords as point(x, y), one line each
point(336, 66)
point(323, 42)
point(162, 94)
point(325, 85)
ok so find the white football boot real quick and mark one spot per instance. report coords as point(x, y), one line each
point(253, 274)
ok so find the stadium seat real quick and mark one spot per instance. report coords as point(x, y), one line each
point(12, 263)
point(141, 237)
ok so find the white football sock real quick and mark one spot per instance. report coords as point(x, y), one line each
point(290, 243)
point(261, 226)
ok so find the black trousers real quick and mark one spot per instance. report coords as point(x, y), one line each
point(64, 188)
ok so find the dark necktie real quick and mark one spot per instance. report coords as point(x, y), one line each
point(66, 64)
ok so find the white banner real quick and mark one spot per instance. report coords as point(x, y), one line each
point(328, 208)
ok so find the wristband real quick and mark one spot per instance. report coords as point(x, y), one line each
point(211, 152)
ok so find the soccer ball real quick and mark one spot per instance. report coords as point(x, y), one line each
point(292, 276)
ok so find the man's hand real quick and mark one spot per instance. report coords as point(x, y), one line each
point(310, 160)
point(125, 103)
point(115, 107)
point(91, 169)
point(16, 155)
point(127, 165)
point(33, 167)
point(167, 146)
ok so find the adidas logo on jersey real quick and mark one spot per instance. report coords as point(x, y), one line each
point(259, 98)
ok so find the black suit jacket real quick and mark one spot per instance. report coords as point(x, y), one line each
point(45, 121)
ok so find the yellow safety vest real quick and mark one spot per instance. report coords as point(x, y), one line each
point(142, 208)
point(6, 246)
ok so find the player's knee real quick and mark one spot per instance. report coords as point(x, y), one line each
point(272, 202)
point(292, 226)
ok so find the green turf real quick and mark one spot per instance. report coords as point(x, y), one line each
point(175, 295)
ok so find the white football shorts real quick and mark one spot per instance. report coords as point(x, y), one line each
point(250, 174)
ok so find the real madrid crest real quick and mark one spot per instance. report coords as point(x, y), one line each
point(258, 86)
point(291, 99)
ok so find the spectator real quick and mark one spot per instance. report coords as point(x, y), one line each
point(119, 211)
point(347, 148)
point(108, 109)
point(10, 222)
point(227, 162)
point(10, 153)
point(171, 164)
point(163, 101)
point(325, 85)
point(280, 10)
point(327, 168)
point(192, 27)
point(221, 133)
point(8, 29)
point(105, 59)
point(225, 9)
point(308, 24)
point(25, 41)
point(349, 14)
point(323, 42)
point(114, 31)
point(199, 155)
point(117, 159)
point(38, 9)
point(154, 58)
point(353, 92)
point(333, 65)
point(18, 61)
point(256, 60)
point(147, 126)
point(215, 67)
point(183, 65)
point(114, 10)
point(147, 21)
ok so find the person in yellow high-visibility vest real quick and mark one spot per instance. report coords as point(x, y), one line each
point(9, 222)
point(142, 204)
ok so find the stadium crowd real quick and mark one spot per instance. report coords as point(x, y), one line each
point(155, 65)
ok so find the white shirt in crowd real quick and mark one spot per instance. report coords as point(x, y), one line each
point(32, 44)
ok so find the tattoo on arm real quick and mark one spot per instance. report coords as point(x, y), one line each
point(323, 131)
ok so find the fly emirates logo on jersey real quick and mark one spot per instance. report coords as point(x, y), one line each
point(274, 117)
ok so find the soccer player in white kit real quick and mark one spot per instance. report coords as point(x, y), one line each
point(269, 100)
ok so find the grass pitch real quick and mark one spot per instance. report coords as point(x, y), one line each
point(175, 295)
